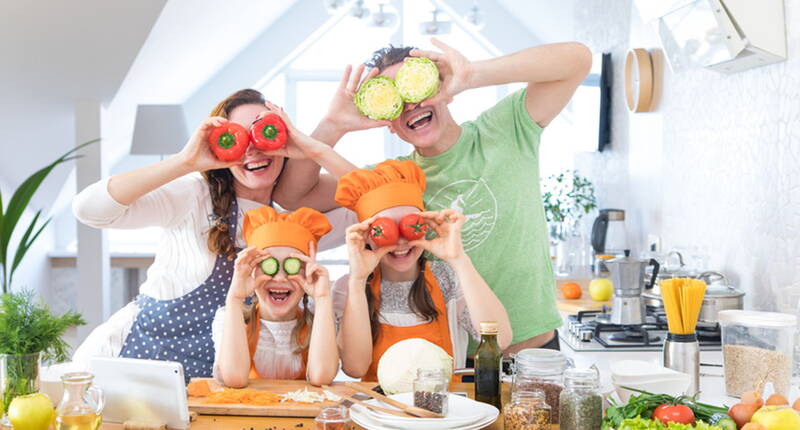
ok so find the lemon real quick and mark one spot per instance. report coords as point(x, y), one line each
point(777, 418)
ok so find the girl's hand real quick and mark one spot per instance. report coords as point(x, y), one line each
point(362, 260)
point(246, 273)
point(447, 244)
point(342, 112)
point(298, 145)
point(455, 71)
point(196, 154)
point(315, 282)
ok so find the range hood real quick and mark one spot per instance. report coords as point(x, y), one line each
point(727, 36)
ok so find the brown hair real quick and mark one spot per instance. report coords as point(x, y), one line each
point(388, 56)
point(419, 300)
point(306, 319)
point(220, 181)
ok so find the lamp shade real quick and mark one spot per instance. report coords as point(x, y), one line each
point(159, 129)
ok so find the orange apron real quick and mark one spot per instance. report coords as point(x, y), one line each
point(437, 331)
point(252, 342)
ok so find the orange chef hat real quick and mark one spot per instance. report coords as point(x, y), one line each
point(391, 183)
point(264, 227)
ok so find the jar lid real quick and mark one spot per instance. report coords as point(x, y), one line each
point(489, 327)
point(541, 357)
point(757, 319)
point(582, 377)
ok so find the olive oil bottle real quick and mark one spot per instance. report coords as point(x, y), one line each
point(488, 363)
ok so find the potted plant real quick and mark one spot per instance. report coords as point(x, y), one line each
point(567, 198)
point(29, 334)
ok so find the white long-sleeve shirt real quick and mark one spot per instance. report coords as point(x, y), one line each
point(183, 209)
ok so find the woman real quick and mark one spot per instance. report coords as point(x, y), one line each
point(198, 201)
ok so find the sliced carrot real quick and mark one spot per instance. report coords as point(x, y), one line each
point(244, 396)
point(198, 389)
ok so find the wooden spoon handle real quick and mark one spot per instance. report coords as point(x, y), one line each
point(413, 410)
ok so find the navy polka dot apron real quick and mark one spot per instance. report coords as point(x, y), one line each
point(180, 329)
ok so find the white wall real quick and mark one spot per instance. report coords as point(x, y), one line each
point(716, 166)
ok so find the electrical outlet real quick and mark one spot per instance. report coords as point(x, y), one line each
point(653, 243)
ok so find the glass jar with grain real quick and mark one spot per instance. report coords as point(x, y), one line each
point(581, 405)
point(541, 369)
point(527, 410)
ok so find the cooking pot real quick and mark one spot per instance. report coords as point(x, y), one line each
point(720, 295)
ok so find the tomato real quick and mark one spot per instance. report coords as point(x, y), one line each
point(680, 414)
point(229, 141)
point(413, 227)
point(384, 232)
point(268, 132)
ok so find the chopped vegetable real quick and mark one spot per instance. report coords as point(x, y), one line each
point(645, 403)
point(269, 132)
point(229, 141)
point(305, 396)
point(245, 396)
point(379, 99)
point(292, 266)
point(198, 389)
point(417, 79)
point(270, 266)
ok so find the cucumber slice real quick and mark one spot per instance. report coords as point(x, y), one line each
point(292, 266)
point(379, 99)
point(270, 266)
point(417, 79)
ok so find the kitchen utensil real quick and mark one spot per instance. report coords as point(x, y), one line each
point(422, 413)
point(757, 348)
point(142, 390)
point(608, 232)
point(720, 295)
point(627, 275)
point(394, 412)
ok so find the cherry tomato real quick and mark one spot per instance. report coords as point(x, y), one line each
point(413, 227)
point(269, 132)
point(384, 232)
point(229, 141)
point(674, 413)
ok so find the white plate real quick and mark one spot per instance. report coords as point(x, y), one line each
point(370, 424)
point(463, 413)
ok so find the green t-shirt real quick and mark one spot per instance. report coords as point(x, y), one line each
point(491, 175)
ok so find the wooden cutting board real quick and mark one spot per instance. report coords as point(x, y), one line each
point(585, 303)
point(287, 409)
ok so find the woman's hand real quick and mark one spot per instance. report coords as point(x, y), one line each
point(196, 154)
point(363, 261)
point(342, 112)
point(246, 273)
point(455, 71)
point(447, 244)
point(315, 281)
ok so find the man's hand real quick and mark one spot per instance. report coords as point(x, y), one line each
point(455, 71)
point(342, 112)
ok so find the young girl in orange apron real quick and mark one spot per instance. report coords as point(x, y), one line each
point(393, 292)
point(277, 337)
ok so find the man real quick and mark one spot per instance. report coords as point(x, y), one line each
point(488, 168)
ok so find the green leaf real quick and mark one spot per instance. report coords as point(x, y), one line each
point(20, 200)
point(24, 243)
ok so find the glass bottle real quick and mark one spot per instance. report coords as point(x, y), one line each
point(581, 405)
point(337, 418)
point(488, 364)
point(527, 410)
point(541, 369)
point(430, 390)
point(81, 405)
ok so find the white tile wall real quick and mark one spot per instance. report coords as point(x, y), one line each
point(716, 166)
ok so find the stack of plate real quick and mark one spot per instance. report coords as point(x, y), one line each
point(462, 414)
point(647, 376)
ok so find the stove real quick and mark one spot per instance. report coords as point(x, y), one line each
point(593, 331)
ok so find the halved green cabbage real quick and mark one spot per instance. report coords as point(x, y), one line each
point(417, 79)
point(398, 366)
point(379, 99)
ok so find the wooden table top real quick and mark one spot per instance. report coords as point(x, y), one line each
point(219, 422)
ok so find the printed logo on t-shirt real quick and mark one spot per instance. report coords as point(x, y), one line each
point(475, 200)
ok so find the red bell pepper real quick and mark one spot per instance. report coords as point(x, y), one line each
point(269, 132)
point(229, 141)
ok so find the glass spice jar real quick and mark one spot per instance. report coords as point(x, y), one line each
point(430, 390)
point(337, 418)
point(581, 405)
point(541, 369)
point(527, 410)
